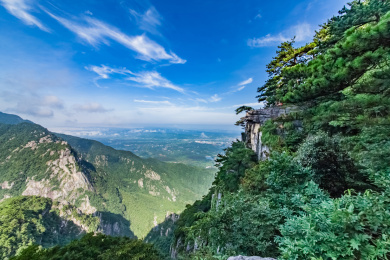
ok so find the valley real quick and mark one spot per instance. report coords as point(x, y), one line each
point(128, 194)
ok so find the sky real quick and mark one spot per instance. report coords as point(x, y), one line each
point(117, 63)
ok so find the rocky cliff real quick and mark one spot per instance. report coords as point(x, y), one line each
point(254, 120)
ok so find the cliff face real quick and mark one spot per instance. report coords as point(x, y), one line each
point(254, 119)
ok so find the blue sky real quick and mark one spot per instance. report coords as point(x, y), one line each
point(115, 63)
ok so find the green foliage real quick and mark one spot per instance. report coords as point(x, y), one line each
point(242, 109)
point(94, 246)
point(32, 220)
point(162, 235)
point(11, 119)
point(351, 227)
point(317, 196)
point(334, 170)
point(115, 175)
point(342, 51)
point(232, 166)
point(27, 151)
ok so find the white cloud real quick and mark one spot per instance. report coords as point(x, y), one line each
point(215, 98)
point(152, 102)
point(245, 82)
point(104, 71)
point(151, 79)
point(52, 101)
point(200, 100)
point(147, 79)
point(302, 32)
point(92, 107)
point(149, 20)
point(96, 32)
point(20, 9)
point(240, 88)
point(32, 104)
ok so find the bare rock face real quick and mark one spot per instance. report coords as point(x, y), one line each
point(71, 182)
point(254, 119)
point(240, 257)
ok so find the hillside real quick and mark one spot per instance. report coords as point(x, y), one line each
point(31, 219)
point(127, 193)
point(321, 187)
point(142, 190)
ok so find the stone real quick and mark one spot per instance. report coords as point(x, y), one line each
point(254, 119)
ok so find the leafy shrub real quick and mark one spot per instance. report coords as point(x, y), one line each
point(351, 227)
point(333, 168)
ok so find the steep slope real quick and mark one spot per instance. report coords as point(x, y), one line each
point(142, 190)
point(35, 162)
point(27, 220)
point(127, 193)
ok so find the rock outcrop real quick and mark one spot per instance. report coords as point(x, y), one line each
point(254, 119)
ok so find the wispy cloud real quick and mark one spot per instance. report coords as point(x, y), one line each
point(165, 102)
point(151, 79)
point(104, 71)
point(92, 107)
point(96, 32)
point(148, 21)
point(201, 100)
point(53, 101)
point(215, 98)
point(21, 9)
point(240, 86)
point(245, 82)
point(147, 79)
point(33, 105)
point(302, 32)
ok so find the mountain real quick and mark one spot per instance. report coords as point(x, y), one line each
point(128, 194)
point(30, 219)
point(142, 190)
point(12, 119)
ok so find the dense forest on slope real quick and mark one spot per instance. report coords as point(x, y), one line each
point(323, 192)
point(93, 247)
point(123, 192)
point(35, 220)
point(142, 190)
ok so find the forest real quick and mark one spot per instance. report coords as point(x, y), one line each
point(323, 192)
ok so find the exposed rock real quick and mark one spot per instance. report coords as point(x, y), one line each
point(171, 192)
point(254, 119)
point(6, 185)
point(31, 144)
point(240, 257)
point(152, 175)
point(141, 183)
point(6, 196)
point(86, 206)
point(72, 183)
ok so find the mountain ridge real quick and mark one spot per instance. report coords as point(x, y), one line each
point(115, 185)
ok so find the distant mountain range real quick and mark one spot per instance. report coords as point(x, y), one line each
point(127, 194)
